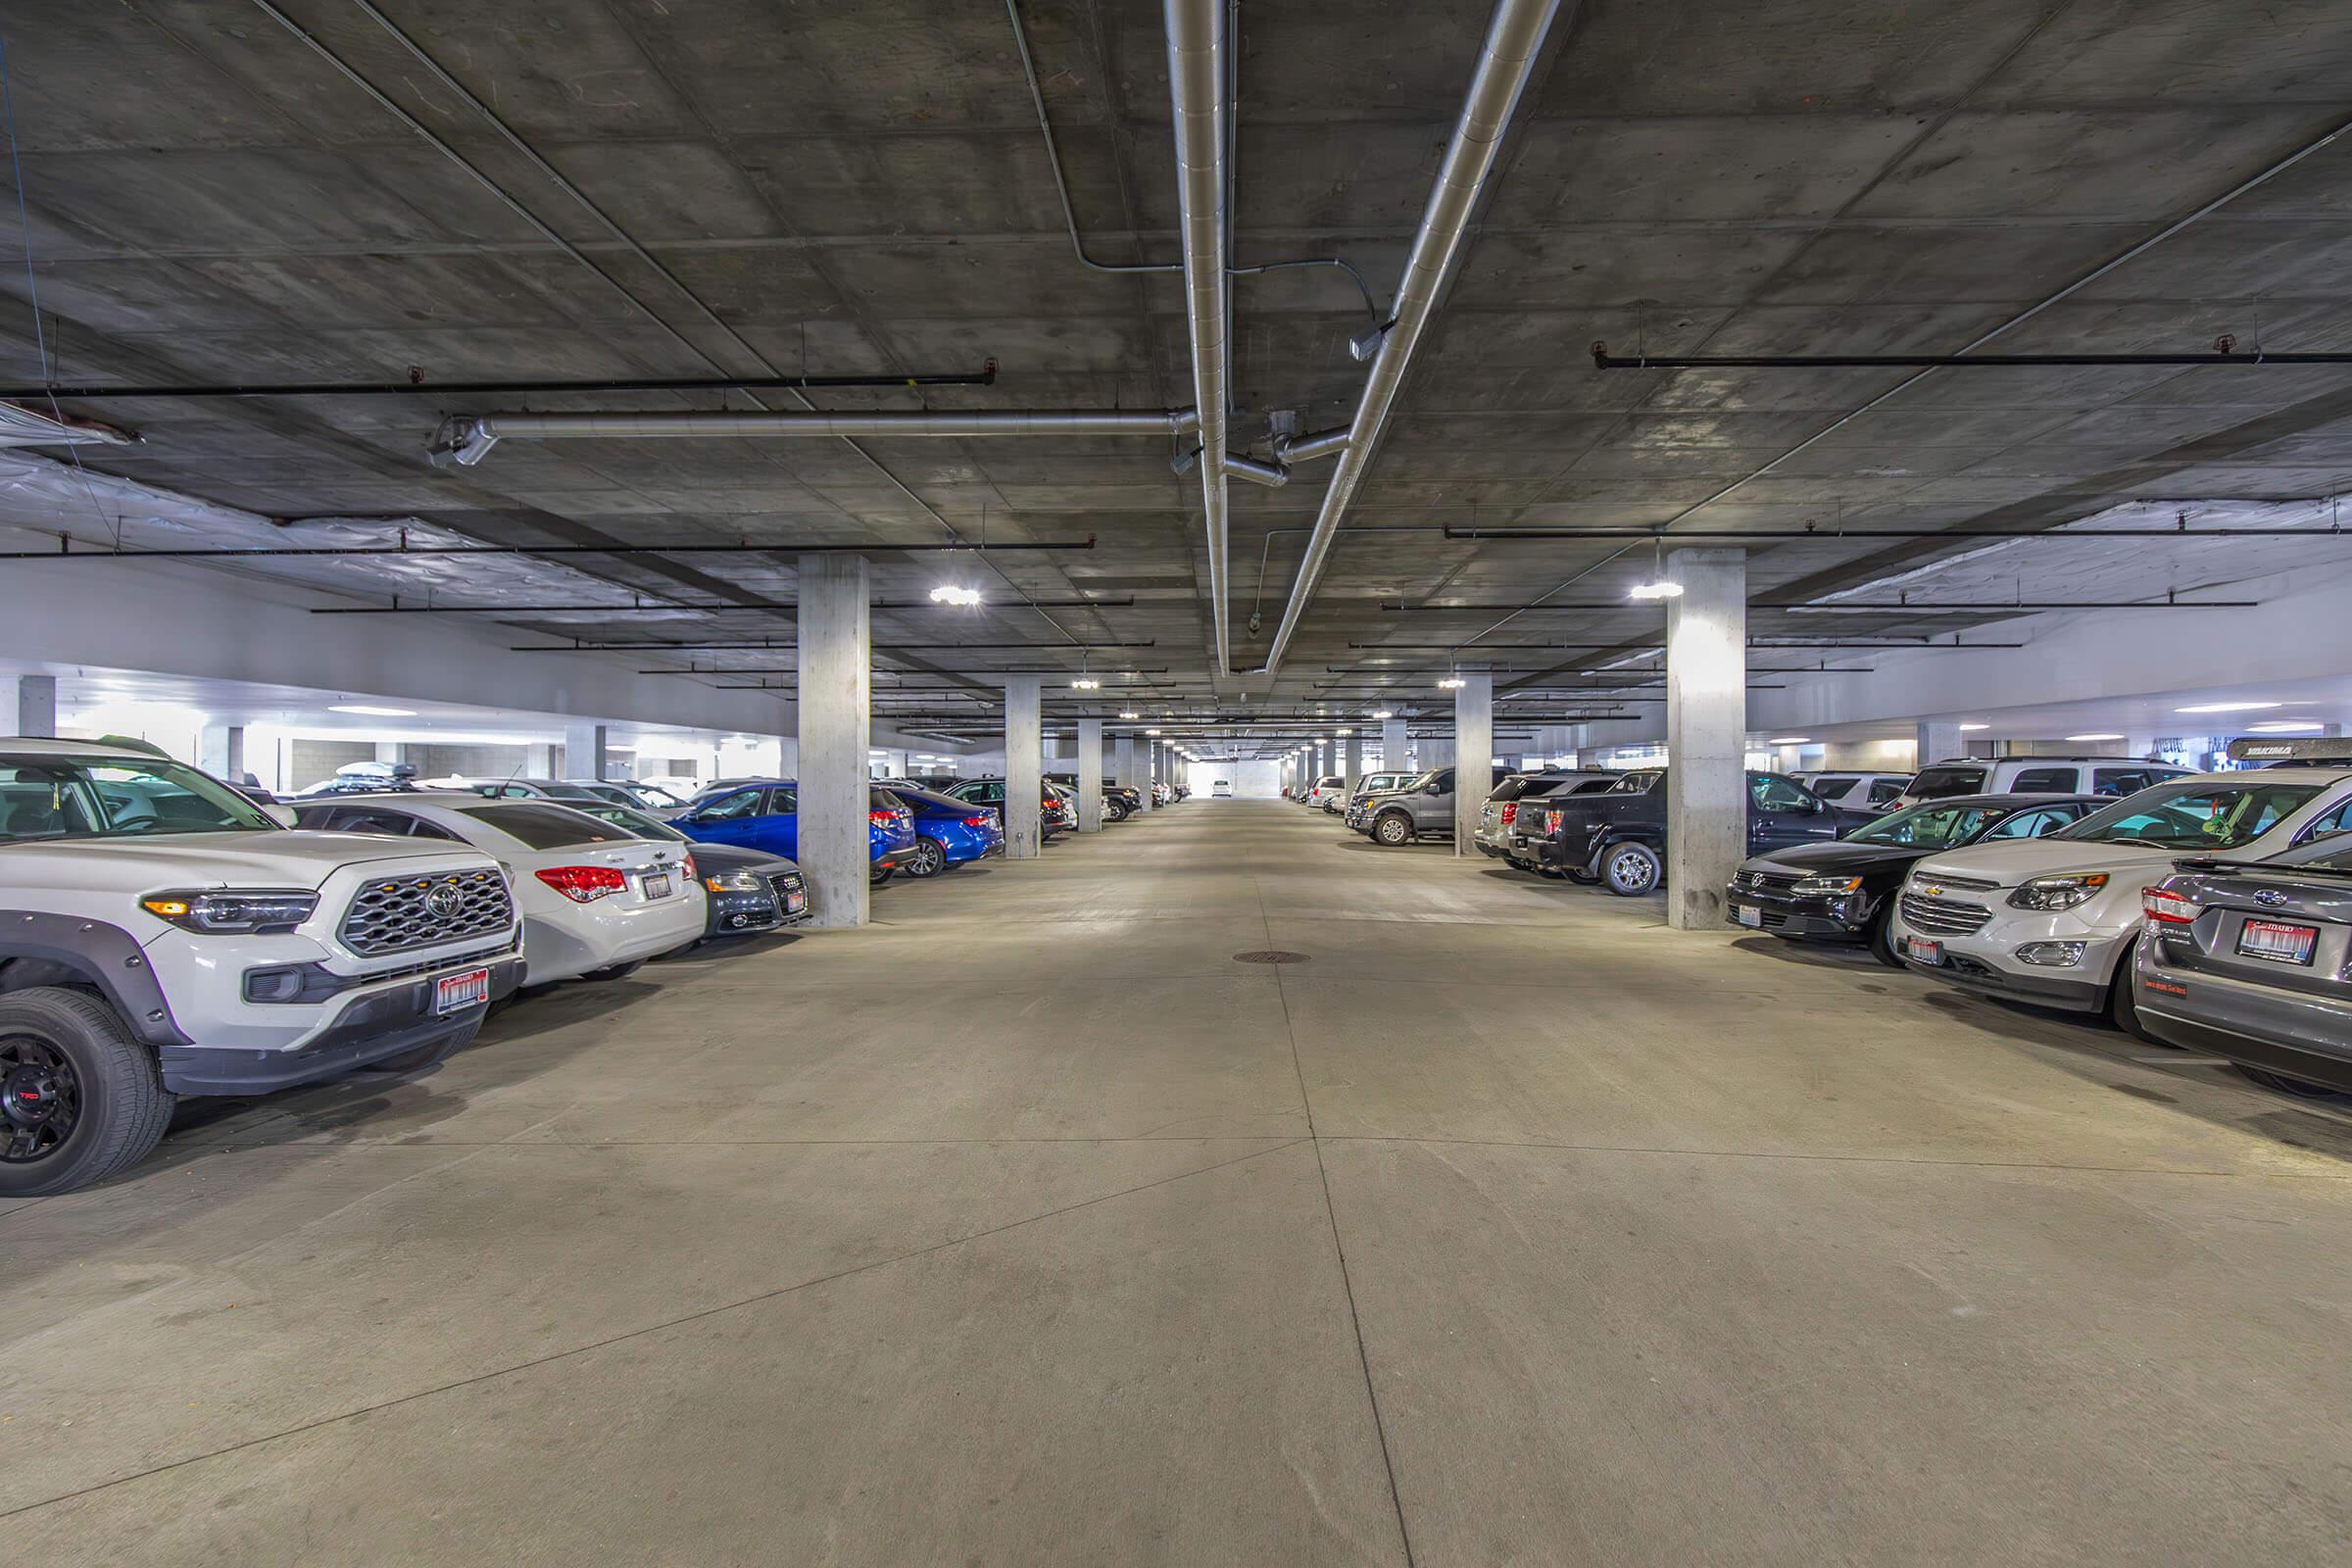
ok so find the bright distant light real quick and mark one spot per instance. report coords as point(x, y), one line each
point(1151, 732)
point(1655, 590)
point(1790, 740)
point(1342, 733)
point(1384, 714)
point(1085, 683)
point(2099, 737)
point(1130, 715)
point(2285, 726)
point(948, 593)
point(1452, 683)
point(1975, 726)
point(2226, 707)
point(378, 713)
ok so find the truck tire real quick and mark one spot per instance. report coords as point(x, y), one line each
point(1394, 829)
point(83, 1100)
point(1630, 869)
point(424, 1056)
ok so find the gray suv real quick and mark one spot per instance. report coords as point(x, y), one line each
point(1422, 809)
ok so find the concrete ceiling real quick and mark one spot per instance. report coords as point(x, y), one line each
point(864, 190)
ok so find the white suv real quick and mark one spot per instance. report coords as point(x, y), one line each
point(2032, 775)
point(2053, 920)
point(164, 936)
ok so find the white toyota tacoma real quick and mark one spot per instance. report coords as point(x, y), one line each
point(162, 935)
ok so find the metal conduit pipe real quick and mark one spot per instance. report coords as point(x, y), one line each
point(1196, 102)
point(1305, 448)
point(1505, 60)
point(466, 439)
point(1271, 474)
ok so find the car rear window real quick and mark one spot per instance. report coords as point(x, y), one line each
point(548, 827)
point(1828, 784)
point(1934, 783)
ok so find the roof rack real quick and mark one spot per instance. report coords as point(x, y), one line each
point(2320, 751)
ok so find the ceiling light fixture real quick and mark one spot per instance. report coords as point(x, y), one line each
point(1131, 715)
point(2102, 736)
point(1790, 740)
point(2285, 726)
point(948, 593)
point(373, 712)
point(1659, 586)
point(2226, 707)
point(1452, 683)
point(1151, 732)
point(1384, 714)
point(1975, 726)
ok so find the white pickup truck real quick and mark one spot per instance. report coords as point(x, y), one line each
point(163, 935)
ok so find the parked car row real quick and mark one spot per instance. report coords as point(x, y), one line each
point(170, 936)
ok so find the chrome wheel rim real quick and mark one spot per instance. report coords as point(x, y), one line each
point(1633, 869)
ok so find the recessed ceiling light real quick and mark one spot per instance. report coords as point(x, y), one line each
point(2099, 737)
point(1452, 683)
point(1790, 740)
point(1655, 590)
point(2285, 726)
point(948, 593)
point(1130, 715)
point(2226, 707)
point(1975, 726)
point(373, 712)
point(1384, 714)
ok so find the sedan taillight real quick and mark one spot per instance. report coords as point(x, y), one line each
point(979, 822)
point(584, 884)
point(2167, 909)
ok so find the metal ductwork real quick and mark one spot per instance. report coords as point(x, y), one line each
point(1271, 474)
point(467, 438)
point(1307, 448)
point(1506, 58)
point(1196, 45)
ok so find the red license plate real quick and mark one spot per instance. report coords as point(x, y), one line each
point(2276, 942)
point(1924, 952)
point(455, 993)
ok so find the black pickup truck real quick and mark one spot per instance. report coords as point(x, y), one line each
point(1617, 837)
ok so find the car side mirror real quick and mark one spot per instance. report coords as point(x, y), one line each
point(1431, 789)
point(279, 814)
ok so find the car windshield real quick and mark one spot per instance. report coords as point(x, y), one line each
point(2192, 816)
point(545, 825)
point(628, 817)
point(116, 797)
point(1929, 827)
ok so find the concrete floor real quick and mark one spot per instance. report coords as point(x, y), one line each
point(1029, 1227)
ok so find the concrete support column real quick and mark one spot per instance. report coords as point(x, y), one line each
point(836, 710)
point(1024, 768)
point(1391, 745)
point(584, 754)
point(1144, 748)
point(1435, 752)
point(1090, 775)
point(1706, 733)
point(1937, 742)
point(29, 705)
point(220, 750)
point(1473, 757)
point(1123, 760)
point(391, 752)
point(1352, 768)
point(539, 759)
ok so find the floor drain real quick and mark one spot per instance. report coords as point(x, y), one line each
point(1269, 955)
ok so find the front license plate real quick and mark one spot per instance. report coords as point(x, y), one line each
point(1924, 952)
point(795, 902)
point(657, 887)
point(2276, 941)
point(1751, 916)
point(455, 993)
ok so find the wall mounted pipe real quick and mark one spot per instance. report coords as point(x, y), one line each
point(1197, 76)
point(467, 439)
point(1506, 58)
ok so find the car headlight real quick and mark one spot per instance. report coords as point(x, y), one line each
point(732, 882)
point(1827, 885)
point(234, 911)
point(2048, 893)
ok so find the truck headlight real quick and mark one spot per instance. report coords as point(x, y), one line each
point(1827, 886)
point(234, 911)
point(2050, 893)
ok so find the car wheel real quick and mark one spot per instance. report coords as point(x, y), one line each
point(1631, 869)
point(616, 971)
point(930, 859)
point(880, 877)
point(83, 1100)
point(2122, 1010)
point(424, 1056)
point(1395, 830)
point(1881, 936)
point(2287, 1086)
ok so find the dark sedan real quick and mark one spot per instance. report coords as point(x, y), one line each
point(1841, 891)
point(751, 889)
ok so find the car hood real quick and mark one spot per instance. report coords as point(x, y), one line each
point(735, 858)
point(2009, 863)
point(1832, 860)
point(293, 859)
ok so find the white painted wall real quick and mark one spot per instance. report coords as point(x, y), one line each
point(1257, 781)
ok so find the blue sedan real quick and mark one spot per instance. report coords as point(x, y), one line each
point(765, 816)
point(948, 832)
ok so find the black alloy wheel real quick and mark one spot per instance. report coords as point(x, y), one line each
point(44, 1098)
point(80, 1099)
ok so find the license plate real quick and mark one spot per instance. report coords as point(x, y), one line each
point(1924, 952)
point(658, 886)
point(1749, 916)
point(455, 993)
point(2278, 942)
point(795, 902)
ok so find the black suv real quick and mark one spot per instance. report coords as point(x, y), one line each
point(1617, 837)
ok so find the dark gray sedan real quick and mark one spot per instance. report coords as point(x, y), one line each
point(2252, 961)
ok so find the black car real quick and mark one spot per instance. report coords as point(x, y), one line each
point(1617, 836)
point(1841, 891)
point(751, 889)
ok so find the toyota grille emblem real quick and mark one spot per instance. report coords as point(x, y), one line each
point(444, 902)
point(2270, 896)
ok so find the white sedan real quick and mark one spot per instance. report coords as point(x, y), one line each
point(595, 900)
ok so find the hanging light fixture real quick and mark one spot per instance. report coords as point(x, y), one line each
point(948, 593)
point(1659, 585)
